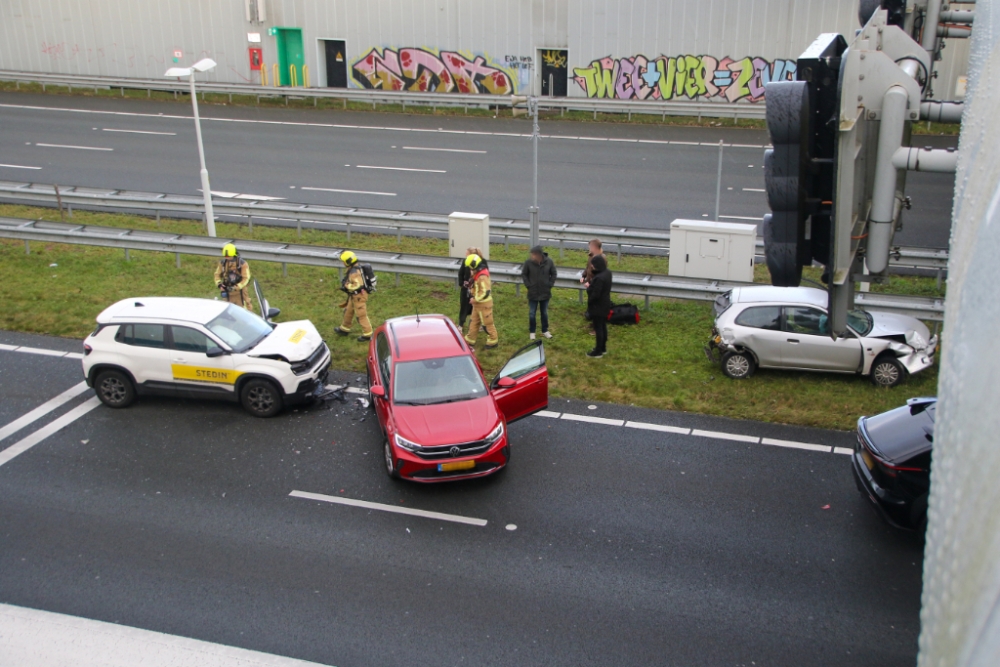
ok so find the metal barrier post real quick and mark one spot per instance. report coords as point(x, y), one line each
point(348, 232)
point(127, 258)
point(305, 78)
point(275, 78)
point(250, 223)
point(263, 74)
point(178, 260)
point(27, 247)
point(284, 269)
point(293, 76)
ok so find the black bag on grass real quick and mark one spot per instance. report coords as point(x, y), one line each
point(623, 313)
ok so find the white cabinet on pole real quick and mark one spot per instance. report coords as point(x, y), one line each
point(716, 250)
point(468, 230)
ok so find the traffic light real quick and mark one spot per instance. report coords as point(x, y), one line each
point(519, 105)
point(799, 171)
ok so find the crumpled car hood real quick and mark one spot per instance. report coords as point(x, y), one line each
point(915, 332)
point(446, 423)
point(294, 341)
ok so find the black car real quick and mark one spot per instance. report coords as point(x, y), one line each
point(892, 462)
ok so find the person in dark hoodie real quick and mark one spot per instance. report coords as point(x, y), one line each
point(539, 276)
point(599, 304)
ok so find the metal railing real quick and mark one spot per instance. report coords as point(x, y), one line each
point(391, 97)
point(645, 285)
point(616, 239)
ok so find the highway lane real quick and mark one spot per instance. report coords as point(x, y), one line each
point(592, 173)
point(603, 545)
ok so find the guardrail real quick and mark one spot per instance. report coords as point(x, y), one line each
point(393, 97)
point(626, 240)
point(645, 285)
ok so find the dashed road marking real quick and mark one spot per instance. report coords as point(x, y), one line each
point(593, 420)
point(429, 171)
point(796, 445)
point(720, 435)
point(40, 351)
point(658, 427)
point(440, 516)
point(169, 134)
point(442, 150)
point(351, 192)
point(79, 148)
point(18, 166)
point(754, 190)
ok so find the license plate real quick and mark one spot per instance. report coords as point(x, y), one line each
point(867, 458)
point(457, 465)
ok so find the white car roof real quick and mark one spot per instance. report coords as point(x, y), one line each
point(806, 296)
point(198, 311)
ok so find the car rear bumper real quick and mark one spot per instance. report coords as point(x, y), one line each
point(895, 511)
point(413, 468)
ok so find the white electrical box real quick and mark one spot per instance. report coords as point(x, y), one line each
point(468, 230)
point(717, 250)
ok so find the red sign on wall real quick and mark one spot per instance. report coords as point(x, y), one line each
point(256, 58)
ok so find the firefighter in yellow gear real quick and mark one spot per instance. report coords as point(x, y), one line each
point(481, 298)
point(356, 304)
point(232, 276)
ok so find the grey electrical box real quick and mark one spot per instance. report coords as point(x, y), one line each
point(717, 250)
point(468, 230)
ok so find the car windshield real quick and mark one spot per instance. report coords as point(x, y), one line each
point(239, 328)
point(433, 381)
point(860, 321)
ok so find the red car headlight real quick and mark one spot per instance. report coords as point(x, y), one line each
point(494, 435)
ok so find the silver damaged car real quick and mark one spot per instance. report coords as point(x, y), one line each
point(788, 328)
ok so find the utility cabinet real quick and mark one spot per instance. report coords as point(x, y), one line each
point(716, 250)
point(468, 230)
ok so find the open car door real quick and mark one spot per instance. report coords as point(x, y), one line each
point(521, 387)
point(264, 308)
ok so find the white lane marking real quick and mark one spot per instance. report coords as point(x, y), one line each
point(725, 436)
point(843, 450)
point(351, 192)
point(17, 166)
point(73, 355)
point(754, 190)
point(746, 145)
point(454, 518)
point(443, 150)
point(690, 143)
point(430, 171)
point(42, 410)
point(740, 217)
point(631, 141)
point(108, 129)
point(548, 413)
point(792, 444)
point(79, 148)
point(658, 427)
point(8, 348)
point(41, 351)
point(593, 138)
point(41, 638)
point(30, 441)
point(593, 420)
point(653, 141)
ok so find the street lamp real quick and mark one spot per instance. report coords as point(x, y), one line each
point(203, 65)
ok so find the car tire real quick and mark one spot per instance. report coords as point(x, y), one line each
point(114, 388)
point(738, 365)
point(389, 459)
point(261, 398)
point(887, 372)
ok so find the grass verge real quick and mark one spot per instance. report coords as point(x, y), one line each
point(59, 289)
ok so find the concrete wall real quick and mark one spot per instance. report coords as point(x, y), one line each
point(719, 50)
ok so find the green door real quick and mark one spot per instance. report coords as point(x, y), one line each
point(290, 52)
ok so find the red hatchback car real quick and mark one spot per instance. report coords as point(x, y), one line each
point(440, 418)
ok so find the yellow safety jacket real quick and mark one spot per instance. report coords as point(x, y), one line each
point(233, 265)
point(481, 287)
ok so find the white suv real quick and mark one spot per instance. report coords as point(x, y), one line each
point(200, 348)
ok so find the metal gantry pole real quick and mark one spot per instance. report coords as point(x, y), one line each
point(533, 108)
point(205, 187)
point(718, 184)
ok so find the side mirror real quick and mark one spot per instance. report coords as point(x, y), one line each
point(273, 313)
point(378, 391)
point(506, 382)
point(215, 351)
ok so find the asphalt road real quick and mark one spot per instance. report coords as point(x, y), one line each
point(598, 173)
point(631, 547)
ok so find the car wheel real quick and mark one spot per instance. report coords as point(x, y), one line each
point(114, 388)
point(261, 398)
point(738, 365)
point(887, 372)
point(390, 460)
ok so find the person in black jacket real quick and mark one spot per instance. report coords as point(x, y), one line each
point(599, 304)
point(539, 276)
point(464, 277)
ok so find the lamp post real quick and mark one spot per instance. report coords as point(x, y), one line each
point(201, 66)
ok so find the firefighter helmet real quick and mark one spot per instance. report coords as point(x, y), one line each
point(229, 250)
point(473, 261)
point(348, 258)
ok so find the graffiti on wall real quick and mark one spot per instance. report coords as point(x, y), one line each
point(426, 70)
point(682, 77)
